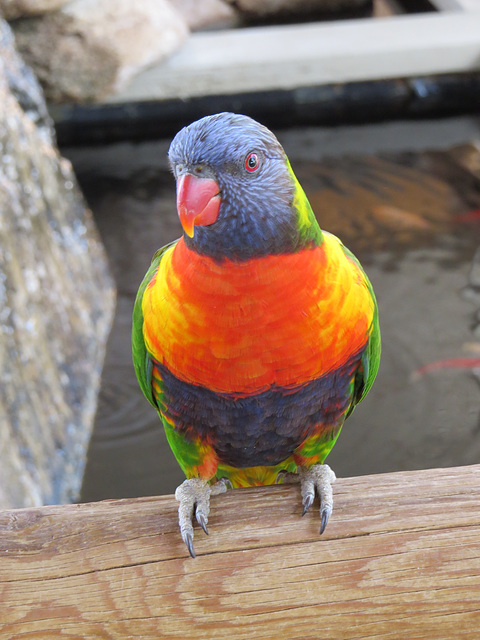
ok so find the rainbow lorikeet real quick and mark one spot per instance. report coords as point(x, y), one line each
point(256, 333)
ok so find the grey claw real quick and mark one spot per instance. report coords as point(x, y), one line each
point(287, 477)
point(307, 503)
point(221, 486)
point(325, 516)
point(202, 521)
point(318, 478)
point(188, 539)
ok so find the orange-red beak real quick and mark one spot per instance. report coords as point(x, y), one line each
point(198, 202)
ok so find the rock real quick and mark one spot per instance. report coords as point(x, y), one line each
point(11, 9)
point(206, 14)
point(56, 304)
point(69, 61)
point(90, 48)
point(24, 86)
point(140, 31)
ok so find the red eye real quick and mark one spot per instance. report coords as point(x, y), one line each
point(252, 162)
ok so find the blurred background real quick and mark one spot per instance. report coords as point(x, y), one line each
point(377, 105)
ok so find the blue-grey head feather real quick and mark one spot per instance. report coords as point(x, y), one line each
point(257, 215)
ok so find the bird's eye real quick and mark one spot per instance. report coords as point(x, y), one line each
point(252, 162)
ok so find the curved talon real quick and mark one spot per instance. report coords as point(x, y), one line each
point(325, 516)
point(307, 503)
point(188, 539)
point(318, 478)
point(193, 496)
point(202, 521)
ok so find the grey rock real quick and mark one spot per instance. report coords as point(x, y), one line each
point(11, 9)
point(89, 48)
point(206, 14)
point(71, 64)
point(56, 305)
point(24, 86)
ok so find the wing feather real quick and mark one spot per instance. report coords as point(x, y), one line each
point(142, 359)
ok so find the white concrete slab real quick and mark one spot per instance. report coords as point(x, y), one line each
point(284, 57)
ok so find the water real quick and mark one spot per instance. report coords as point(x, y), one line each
point(407, 215)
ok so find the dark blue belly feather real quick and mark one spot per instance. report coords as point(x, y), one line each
point(263, 429)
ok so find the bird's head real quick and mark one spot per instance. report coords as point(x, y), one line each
point(237, 196)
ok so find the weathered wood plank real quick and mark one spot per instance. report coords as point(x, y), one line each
point(400, 556)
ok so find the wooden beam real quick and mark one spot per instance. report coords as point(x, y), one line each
point(400, 558)
point(286, 57)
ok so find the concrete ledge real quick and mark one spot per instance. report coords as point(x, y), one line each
point(287, 57)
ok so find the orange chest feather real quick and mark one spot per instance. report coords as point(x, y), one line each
point(244, 326)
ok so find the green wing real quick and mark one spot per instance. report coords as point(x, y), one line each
point(141, 357)
point(367, 373)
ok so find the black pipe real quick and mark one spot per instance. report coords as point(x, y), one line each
point(326, 105)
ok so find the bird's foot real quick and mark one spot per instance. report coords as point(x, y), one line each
point(319, 477)
point(194, 498)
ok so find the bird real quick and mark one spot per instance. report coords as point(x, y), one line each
point(256, 333)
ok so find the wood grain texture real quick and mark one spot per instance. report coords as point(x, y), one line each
point(400, 558)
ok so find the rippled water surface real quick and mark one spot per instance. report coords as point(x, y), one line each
point(413, 219)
